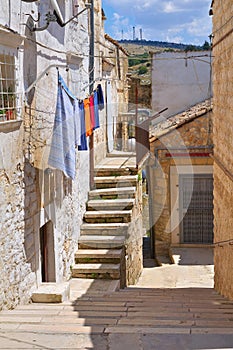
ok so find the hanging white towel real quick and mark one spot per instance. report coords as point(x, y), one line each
point(109, 117)
point(66, 131)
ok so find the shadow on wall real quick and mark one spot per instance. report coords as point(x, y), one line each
point(31, 214)
point(29, 62)
point(45, 191)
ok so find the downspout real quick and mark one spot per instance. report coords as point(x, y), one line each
point(91, 85)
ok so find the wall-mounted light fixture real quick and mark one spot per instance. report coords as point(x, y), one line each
point(211, 8)
point(56, 16)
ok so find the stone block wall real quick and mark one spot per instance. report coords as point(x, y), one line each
point(133, 245)
point(223, 145)
point(17, 279)
point(223, 223)
point(144, 93)
point(31, 194)
point(133, 251)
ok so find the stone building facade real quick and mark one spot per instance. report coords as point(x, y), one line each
point(223, 146)
point(41, 209)
point(143, 96)
point(181, 167)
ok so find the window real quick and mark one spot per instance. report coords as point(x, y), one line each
point(75, 7)
point(8, 84)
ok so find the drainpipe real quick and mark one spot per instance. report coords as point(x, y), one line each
point(91, 85)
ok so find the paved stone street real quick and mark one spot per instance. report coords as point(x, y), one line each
point(158, 313)
point(193, 267)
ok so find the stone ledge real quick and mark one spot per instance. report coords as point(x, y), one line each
point(51, 293)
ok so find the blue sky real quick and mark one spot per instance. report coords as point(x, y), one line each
point(180, 21)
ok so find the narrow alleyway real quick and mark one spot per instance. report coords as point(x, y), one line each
point(192, 268)
point(171, 307)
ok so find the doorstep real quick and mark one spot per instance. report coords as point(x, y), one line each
point(51, 293)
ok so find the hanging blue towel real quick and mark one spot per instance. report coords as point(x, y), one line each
point(83, 146)
point(100, 96)
point(96, 109)
point(65, 136)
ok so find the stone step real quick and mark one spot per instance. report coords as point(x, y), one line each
point(116, 154)
point(110, 204)
point(102, 216)
point(115, 192)
point(51, 293)
point(112, 256)
point(105, 229)
point(101, 242)
point(115, 171)
point(115, 181)
point(102, 271)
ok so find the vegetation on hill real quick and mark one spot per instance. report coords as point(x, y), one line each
point(139, 54)
point(164, 44)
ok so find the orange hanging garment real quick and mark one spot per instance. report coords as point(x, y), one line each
point(87, 117)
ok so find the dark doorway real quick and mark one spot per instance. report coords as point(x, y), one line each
point(47, 253)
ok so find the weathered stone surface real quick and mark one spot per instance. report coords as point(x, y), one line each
point(51, 293)
point(191, 129)
point(223, 146)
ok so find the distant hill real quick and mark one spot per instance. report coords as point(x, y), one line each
point(166, 45)
point(139, 55)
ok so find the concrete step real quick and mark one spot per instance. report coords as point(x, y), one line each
point(105, 229)
point(115, 181)
point(115, 192)
point(102, 271)
point(110, 204)
point(107, 256)
point(116, 154)
point(102, 216)
point(110, 170)
point(51, 293)
point(101, 242)
point(197, 312)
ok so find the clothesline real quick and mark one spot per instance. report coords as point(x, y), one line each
point(75, 120)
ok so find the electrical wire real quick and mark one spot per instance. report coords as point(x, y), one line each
point(109, 57)
point(222, 26)
point(197, 78)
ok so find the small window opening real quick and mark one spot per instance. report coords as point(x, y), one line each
point(8, 95)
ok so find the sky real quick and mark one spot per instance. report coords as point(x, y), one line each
point(179, 21)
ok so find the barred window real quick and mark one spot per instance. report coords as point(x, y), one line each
point(8, 84)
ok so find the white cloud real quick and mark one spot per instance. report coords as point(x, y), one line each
point(184, 21)
point(198, 26)
point(169, 7)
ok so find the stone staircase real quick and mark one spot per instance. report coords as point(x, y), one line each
point(181, 318)
point(109, 210)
